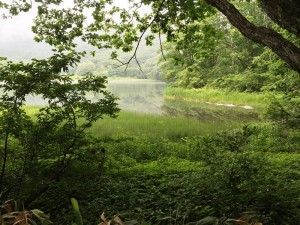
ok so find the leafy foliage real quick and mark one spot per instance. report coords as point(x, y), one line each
point(54, 136)
point(249, 169)
point(223, 58)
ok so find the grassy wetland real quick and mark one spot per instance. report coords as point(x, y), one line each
point(165, 166)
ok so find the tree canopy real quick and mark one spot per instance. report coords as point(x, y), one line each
point(111, 26)
point(57, 129)
point(225, 59)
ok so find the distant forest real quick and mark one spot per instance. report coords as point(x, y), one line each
point(100, 64)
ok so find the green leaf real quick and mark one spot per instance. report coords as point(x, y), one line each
point(32, 221)
point(114, 55)
point(77, 211)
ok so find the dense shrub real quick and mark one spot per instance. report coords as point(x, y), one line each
point(246, 82)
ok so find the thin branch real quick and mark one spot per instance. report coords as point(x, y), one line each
point(120, 62)
point(161, 47)
point(141, 36)
point(66, 150)
point(135, 9)
point(138, 64)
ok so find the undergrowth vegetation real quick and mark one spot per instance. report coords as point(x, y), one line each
point(248, 169)
point(172, 170)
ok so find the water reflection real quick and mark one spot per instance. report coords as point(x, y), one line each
point(136, 96)
point(139, 96)
point(145, 96)
point(207, 112)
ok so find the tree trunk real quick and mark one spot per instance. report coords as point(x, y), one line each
point(4, 161)
point(285, 13)
point(285, 49)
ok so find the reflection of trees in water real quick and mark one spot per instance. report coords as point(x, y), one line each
point(146, 97)
point(135, 99)
point(205, 113)
point(140, 103)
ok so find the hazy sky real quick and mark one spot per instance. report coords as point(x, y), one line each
point(16, 34)
point(20, 26)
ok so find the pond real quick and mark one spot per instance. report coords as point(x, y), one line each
point(145, 96)
point(142, 96)
point(139, 95)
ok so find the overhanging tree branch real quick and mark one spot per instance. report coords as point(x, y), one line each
point(285, 49)
point(286, 14)
point(134, 55)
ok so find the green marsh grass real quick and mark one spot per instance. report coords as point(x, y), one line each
point(157, 126)
point(256, 100)
point(152, 126)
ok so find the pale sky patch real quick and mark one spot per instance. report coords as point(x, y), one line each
point(16, 34)
point(19, 27)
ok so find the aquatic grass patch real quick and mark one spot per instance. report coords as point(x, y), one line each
point(148, 126)
point(256, 100)
point(153, 127)
point(157, 126)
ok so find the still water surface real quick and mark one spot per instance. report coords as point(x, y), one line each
point(139, 96)
point(134, 96)
point(148, 97)
point(144, 96)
